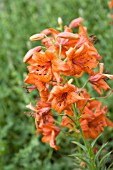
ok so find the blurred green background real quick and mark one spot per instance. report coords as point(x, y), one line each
point(19, 147)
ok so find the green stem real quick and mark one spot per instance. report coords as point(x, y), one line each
point(83, 86)
point(89, 148)
point(76, 82)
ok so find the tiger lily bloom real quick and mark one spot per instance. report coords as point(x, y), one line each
point(93, 124)
point(49, 132)
point(62, 97)
point(97, 80)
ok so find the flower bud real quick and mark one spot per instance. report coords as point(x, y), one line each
point(68, 35)
point(36, 37)
point(60, 22)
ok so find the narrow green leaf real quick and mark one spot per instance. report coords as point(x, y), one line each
point(78, 166)
point(80, 145)
point(104, 159)
point(110, 166)
point(99, 151)
point(93, 143)
point(82, 158)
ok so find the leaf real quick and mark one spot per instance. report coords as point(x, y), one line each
point(78, 166)
point(80, 145)
point(110, 166)
point(99, 151)
point(93, 143)
point(81, 157)
point(104, 159)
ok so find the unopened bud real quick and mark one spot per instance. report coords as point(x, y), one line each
point(68, 35)
point(60, 22)
point(36, 37)
point(70, 81)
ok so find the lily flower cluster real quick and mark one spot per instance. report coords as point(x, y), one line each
point(54, 68)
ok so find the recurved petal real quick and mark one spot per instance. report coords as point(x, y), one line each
point(54, 32)
point(30, 79)
point(95, 78)
point(28, 56)
point(46, 32)
point(40, 58)
point(97, 89)
point(30, 53)
point(109, 122)
point(70, 53)
point(31, 107)
point(74, 23)
point(52, 141)
point(72, 97)
point(108, 76)
point(59, 65)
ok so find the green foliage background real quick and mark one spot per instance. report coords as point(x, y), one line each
point(19, 19)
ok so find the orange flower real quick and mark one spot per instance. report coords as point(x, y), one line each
point(93, 119)
point(83, 56)
point(96, 126)
point(45, 65)
point(50, 132)
point(33, 79)
point(97, 80)
point(61, 41)
point(42, 113)
point(62, 97)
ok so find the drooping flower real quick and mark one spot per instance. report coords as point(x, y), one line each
point(92, 128)
point(49, 132)
point(93, 119)
point(97, 80)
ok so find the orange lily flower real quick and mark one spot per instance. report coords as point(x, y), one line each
point(97, 80)
point(44, 123)
point(93, 124)
point(33, 79)
point(49, 132)
point(93, 119)
point(62, 97)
